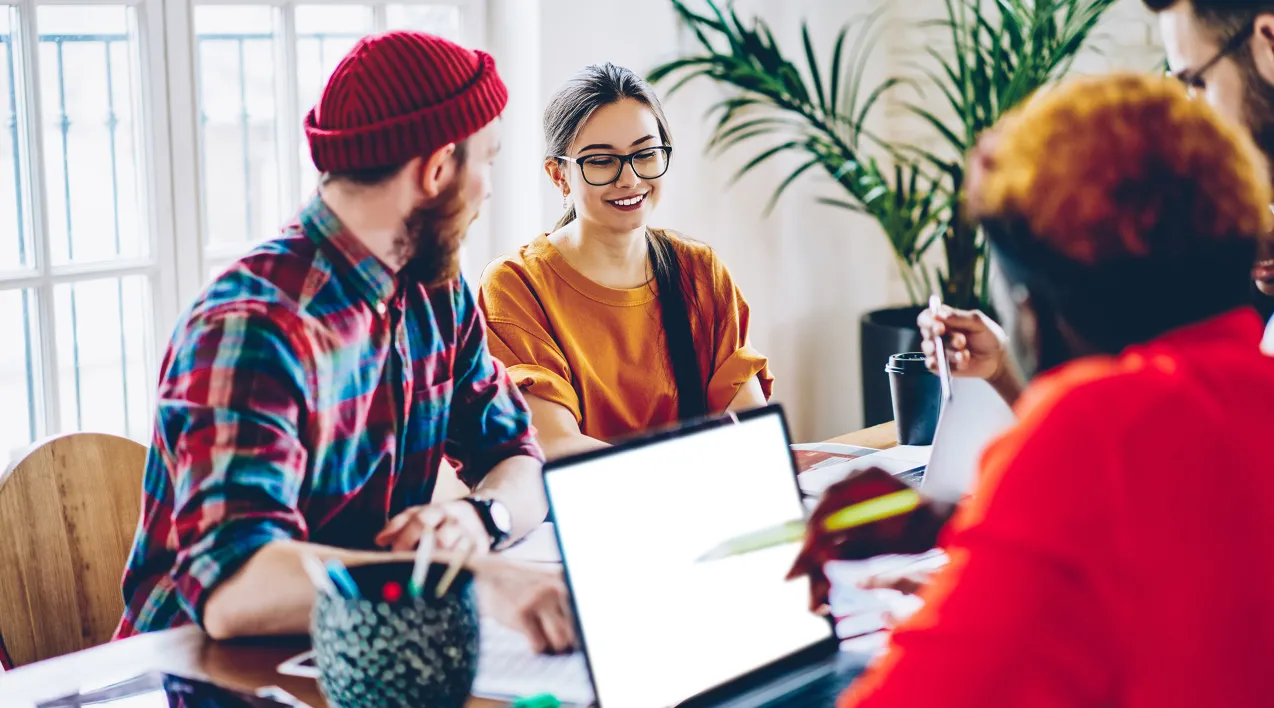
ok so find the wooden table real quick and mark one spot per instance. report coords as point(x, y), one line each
point(188, 652)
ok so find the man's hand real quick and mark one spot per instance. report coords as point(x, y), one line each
point(449, 522)
point(976, 346)
point(913, 532)
point(528, 597)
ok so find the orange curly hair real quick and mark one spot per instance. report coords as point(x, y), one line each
point(1113, 167)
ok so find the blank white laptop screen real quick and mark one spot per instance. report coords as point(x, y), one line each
point(659, 626)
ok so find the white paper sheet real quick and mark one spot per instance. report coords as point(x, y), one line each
point(509, 669)
point(539, 546)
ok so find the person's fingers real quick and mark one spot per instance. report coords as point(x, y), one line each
point(534, 631)
point(905, 583)
point(927, 346)
point(925, 320)
point(961, 320)
point(395, 525)
point(448, 536)
point(408, 536)
point(938, 329)
point(557, 631)
point(819, 591)
point(958, 342)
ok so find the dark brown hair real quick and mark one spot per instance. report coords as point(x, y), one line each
point(570, 108)
point(1223, 18)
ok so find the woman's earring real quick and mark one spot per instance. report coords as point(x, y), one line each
point(564, 201)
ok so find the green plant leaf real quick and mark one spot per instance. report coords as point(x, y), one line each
point(841, 204)
point(812, 61)
point(778, 193)
point(943, 130)
point(766, 155)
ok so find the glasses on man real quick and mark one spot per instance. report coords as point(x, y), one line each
point(1193, 78)
point(601, 170)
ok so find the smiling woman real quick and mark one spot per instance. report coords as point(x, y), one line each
point(608, 325)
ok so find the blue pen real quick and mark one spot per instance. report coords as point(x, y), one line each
point(341, 578)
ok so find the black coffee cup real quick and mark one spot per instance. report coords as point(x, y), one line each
point(917, 398)
point(408, 652)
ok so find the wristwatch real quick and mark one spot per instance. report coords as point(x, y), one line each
point(495, 517)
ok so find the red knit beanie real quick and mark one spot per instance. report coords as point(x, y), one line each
point(398, 96)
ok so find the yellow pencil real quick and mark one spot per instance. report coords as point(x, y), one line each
point(861, 514)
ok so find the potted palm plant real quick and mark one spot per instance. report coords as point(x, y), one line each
point(1002, 51)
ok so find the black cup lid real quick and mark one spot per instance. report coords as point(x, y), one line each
point(907, 363)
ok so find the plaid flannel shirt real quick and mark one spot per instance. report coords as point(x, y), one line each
point(283, 414)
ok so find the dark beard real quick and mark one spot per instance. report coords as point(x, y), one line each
point(430, 244)
point(1258, 108)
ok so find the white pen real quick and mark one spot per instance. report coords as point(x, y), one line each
point(940, 352)
point(424, 558)
point(318, 575)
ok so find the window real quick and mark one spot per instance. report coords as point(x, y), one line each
point(79, 262)
point(146, 144)
point(260, 68)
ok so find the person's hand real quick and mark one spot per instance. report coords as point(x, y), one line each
point(1263, 274)
point(976, 346)
point(907, 582)
point(529, 598)
point(450, 523)
point(913, 532)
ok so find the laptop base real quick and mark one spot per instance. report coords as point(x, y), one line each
point(814, 686)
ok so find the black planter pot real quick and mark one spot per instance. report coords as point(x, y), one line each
point(883, 334)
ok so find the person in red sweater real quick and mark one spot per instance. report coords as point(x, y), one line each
point(1114, 551)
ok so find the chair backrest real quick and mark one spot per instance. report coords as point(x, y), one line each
point(68, 511)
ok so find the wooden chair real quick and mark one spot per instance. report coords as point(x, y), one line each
point(68, 511)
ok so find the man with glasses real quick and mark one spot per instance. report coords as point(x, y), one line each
point(1223, 51)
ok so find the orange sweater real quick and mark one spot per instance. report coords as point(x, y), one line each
point(1118, 549)
point(599, 351)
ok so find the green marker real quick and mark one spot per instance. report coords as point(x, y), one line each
point(861, 514)
point(544, 700)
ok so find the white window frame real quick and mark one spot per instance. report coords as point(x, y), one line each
point(193, 255)
point(154, 164)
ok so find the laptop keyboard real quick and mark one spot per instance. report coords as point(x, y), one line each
point(913, 477)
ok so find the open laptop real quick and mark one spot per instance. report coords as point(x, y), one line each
point(973, 416)
point(661, 626)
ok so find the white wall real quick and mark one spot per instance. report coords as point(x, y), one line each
point(808, 271)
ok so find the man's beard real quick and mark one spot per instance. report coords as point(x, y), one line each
point(1258, 108)
point(431, 239)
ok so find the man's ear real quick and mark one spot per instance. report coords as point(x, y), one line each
point(438, 171)
point(1263, 46)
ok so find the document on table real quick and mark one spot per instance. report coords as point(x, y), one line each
point(509, 669)
point(859, 611)
point(539, 546)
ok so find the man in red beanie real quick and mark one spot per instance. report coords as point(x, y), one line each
point(307, 400)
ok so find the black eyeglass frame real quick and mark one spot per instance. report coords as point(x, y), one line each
point(1192, 79)
point(623, 160)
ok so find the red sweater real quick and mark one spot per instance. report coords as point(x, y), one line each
point(1120, 548)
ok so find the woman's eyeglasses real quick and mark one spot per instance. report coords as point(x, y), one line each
point(602, 170)
point(1193, 78)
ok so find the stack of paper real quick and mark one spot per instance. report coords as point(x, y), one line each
point(859, 611)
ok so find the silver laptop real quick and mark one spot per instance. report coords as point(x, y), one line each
point(661, 626)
